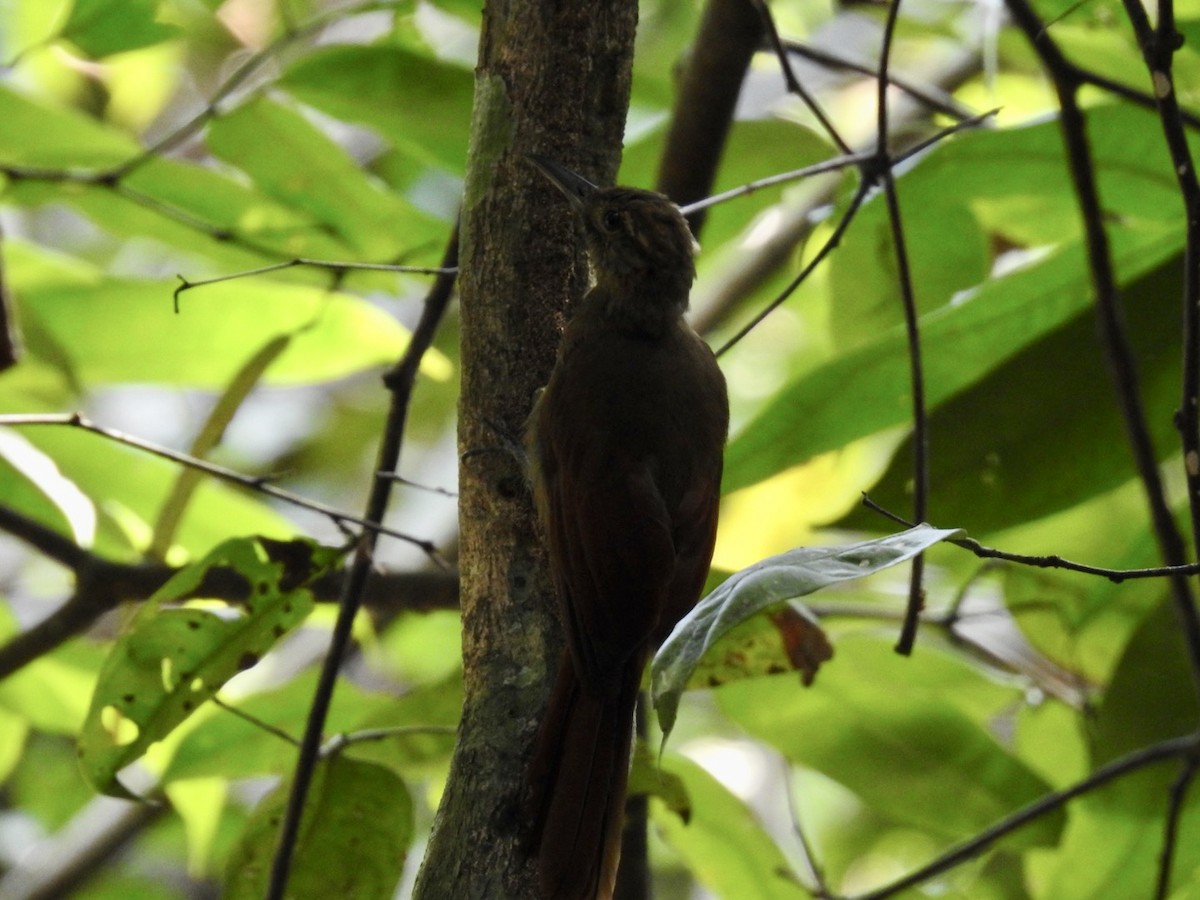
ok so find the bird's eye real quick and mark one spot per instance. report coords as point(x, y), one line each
point(612, 220)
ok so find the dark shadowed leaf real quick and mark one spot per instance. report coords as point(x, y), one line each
point(354, 836)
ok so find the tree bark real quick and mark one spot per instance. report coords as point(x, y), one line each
point(553, 79)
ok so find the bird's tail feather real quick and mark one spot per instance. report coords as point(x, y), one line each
point(577, 780)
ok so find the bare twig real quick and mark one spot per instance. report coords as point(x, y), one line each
point(338, 268)
point(932, 97)
point(342, 740)
point(1158, 46)
point(743, 190)
point(254, 720)
point(400, 382)
point(815, 871)
point(1047, 562)
point(883, 166)
point(254, 483)
point(793, 83)
point(860, 196)
point(1175, 807)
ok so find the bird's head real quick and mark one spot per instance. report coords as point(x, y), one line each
point(638, 242)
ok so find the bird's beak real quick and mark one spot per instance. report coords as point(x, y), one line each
point(574, 187)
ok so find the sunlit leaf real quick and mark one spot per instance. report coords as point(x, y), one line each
point(103, 27)
point(171, 660)
point(44, 136)
point(333, 334)
point(421, 105)
point(317, 177)
point(32, 485)
point(723, 842)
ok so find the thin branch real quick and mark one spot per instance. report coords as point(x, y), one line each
point(338, 268)
point(883, 165)
point(418, 486)
point(830, 165)
point(1114, 339)
point(1047, 562)
point(342, 740)
point(400, 382)
point(102, 584)
point(815, 871)
point(793, 83)
point(1175, 807)
point(254, 483)
point(935, 99)
point(729, 33)
point(254, 720)
point(831, 242)
point(1187, 745)
point(860, 196)
point(235, 80)
point(1158, 50)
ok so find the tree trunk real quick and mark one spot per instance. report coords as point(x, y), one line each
point(553, 78)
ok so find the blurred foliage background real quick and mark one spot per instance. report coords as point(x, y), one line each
point(146, 144)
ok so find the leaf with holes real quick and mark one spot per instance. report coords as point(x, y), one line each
point(172, 659)
point(767, 584)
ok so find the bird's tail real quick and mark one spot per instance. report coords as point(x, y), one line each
point(577, 781)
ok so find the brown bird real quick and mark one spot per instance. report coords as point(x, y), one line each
point(625, 448)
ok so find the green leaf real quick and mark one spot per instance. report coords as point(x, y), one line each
point(186, 483)
point(724, 845)
point(316, 176)
point(1151, 697)
point(230, 746)
point(171, 660)
point(13, 731)
point(125, 484)
point(867, 389)
point(768, 584)
point(1110, 849)
point(102, 27)
point(947, 253)
point(354, 836)
point(44, 136)
point(32, 485)
point(875, 723)
point(421, 105)
point(994, 464)
point(333, 334)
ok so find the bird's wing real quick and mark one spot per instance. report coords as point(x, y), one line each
point(612, 538)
